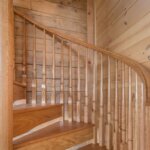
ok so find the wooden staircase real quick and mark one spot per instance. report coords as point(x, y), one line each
point(58, 136)
point(108, 114)
point(27, 117)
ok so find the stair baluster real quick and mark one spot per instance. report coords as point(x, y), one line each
point(44, 72)
point(115, 105)
point(78, 103)
point(123, 113)
point(115, 134)
point(86, 114)
point(101, 105)
point(53, 94)
point(108, 126)
point(24, 55)
point(34, 81)
point(130, 133)
point(94, 96)
point(70, 100)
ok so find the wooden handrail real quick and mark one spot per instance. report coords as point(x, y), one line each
point(141, 70)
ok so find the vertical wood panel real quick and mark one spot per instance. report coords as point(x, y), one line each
point(122, 29)
point(6, 73)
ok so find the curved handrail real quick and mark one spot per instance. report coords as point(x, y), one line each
point(141, 70)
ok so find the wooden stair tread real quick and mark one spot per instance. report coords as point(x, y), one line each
point(26, 117)
point(92, 147)
point(31, 107)
point(52, 131)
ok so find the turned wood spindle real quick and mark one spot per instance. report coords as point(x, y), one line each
point(94, 96)
point(78, 88)
point(86, 119)
point(24, 55)
point(44, 72)
point(53, 95)
point(70, 100)
point(108, 125)
point(116, 115)
point(34, 80)
point(101, 104)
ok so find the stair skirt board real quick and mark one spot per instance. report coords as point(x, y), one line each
point(39, 127)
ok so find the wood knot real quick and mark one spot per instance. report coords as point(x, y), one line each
point(89, 62)
point(125, 23)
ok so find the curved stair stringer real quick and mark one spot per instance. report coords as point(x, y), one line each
point(140, 71)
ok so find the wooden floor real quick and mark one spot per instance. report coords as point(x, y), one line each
point(92, 147)
point(55, 131)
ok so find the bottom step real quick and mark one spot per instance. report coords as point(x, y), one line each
point(92, 147)
point(59, 136)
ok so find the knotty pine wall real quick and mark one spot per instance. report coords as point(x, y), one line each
point(67, 16)
point(123, 26)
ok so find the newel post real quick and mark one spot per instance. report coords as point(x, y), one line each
point(6, 73)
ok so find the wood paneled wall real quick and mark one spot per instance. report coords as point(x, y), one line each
point(68, 16)
point(124, 26)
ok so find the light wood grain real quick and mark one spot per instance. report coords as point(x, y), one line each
point(27, 117)
point(140, 69)
point(19, 91)
point(6, 73)
point(92, 147)
point(115, 86)
point(121, 29)
point(58, 136)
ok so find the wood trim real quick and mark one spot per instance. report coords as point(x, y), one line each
point(6, 73)
point(142, 71)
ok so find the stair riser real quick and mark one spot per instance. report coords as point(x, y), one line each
point(26, 120)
